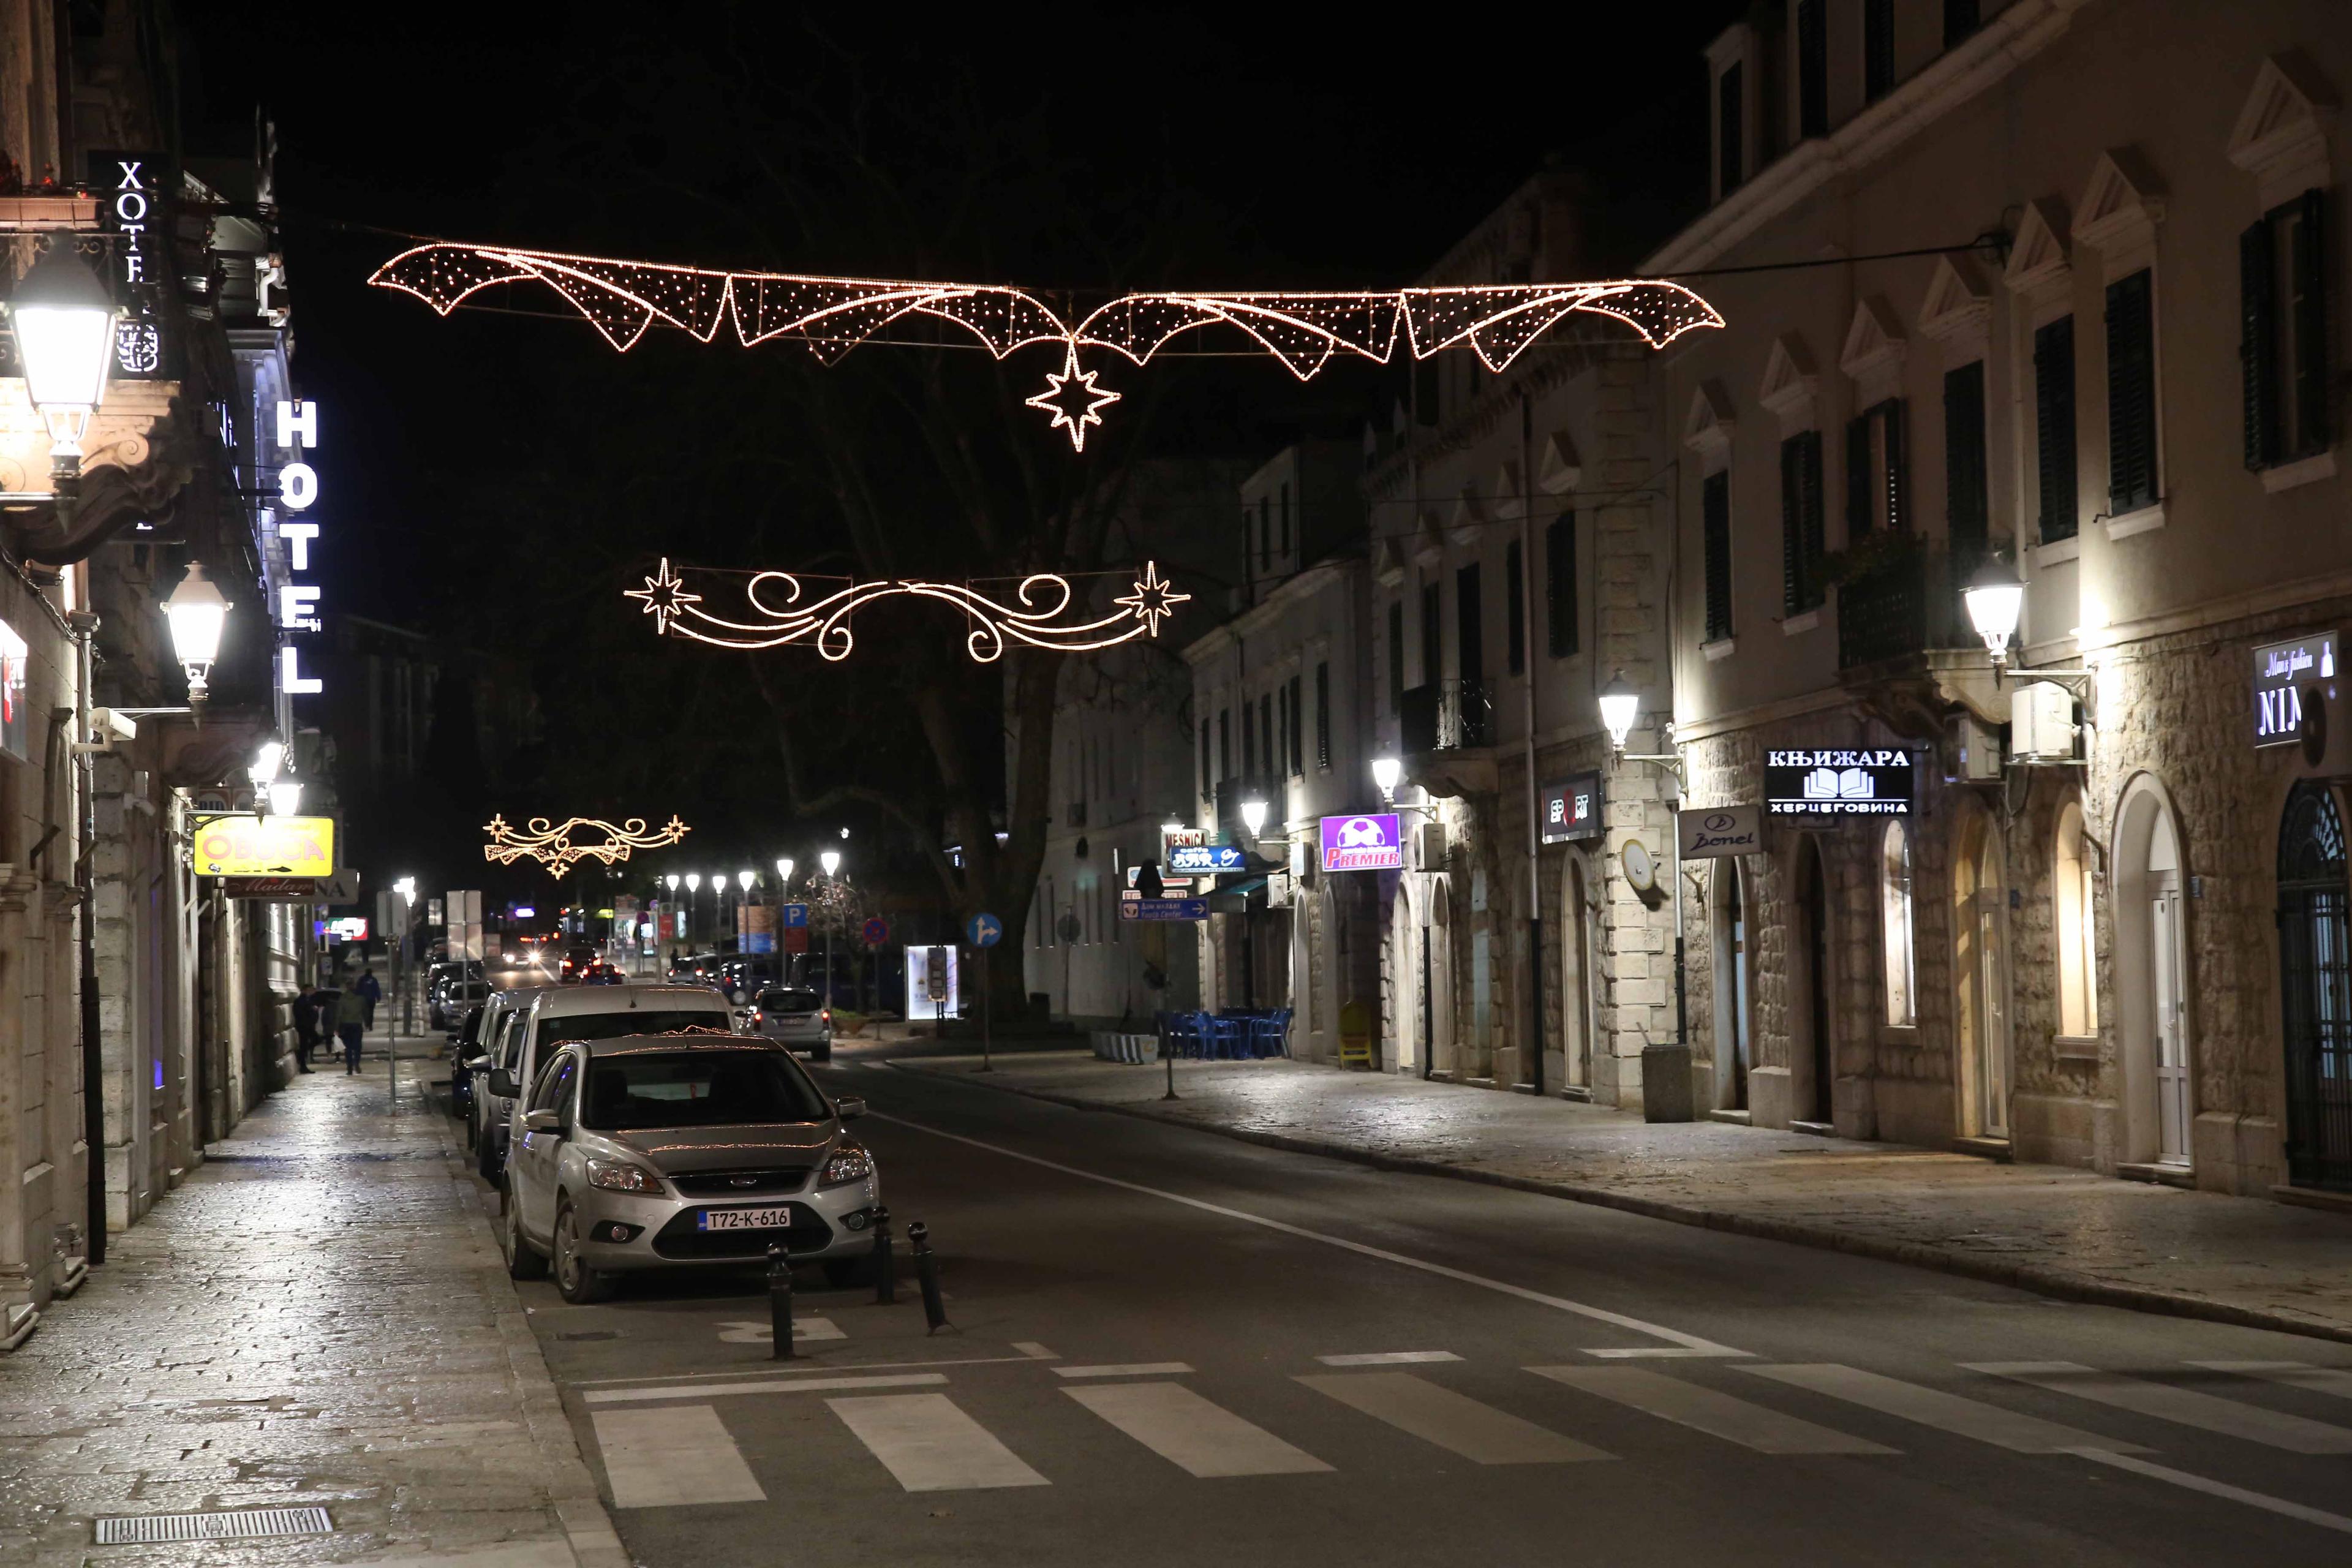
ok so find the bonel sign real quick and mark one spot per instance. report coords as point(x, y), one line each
point(1370, 843)
point(1867, 782)
point(2284, 674)
point(265, 847)
point(1712, 832)
point(1571, 808)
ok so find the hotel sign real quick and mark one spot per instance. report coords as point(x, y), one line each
point(2285, 673)
point(1873, 782)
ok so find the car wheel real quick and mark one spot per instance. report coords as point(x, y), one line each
point(577, 1283)
point(841, 1273)
point(523, 1263)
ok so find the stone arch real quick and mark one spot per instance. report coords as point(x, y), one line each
point(2147, 882)
point(1981, 1057)
point(1731, 939)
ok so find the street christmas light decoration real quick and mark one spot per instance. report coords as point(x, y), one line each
point(1304, 330)
point(1035, 616)
point(550, 844)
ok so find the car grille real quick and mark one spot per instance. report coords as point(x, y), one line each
point(748, 1184)
point(679, 1238)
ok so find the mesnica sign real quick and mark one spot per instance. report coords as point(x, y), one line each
point(1838, 783)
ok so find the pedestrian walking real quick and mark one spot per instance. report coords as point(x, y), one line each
point(371, 992)
point(351, 1022)
point(306, 1024)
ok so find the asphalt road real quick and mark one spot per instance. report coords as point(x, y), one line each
point(1157, 1356)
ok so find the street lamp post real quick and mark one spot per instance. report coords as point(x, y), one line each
point(1253, 821)
point(831, 861)
point(196, 614)
point(405, 890)
point(693, 886)
point(64, 319)
point(1387, 772)
point(1620, 704)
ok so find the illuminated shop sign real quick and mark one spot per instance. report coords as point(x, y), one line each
point(1369, 843)
point(298, 492)
point(2285, 674)
point(1571, 808)
point(1839, 784)
point(264, 846)
point(133, 190)
point(16, 727)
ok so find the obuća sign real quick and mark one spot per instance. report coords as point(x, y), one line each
point(1880, 781)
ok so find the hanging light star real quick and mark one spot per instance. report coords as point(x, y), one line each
point(666, 596)
point(1073, 399)
point(551, 843)
point(1153, 599)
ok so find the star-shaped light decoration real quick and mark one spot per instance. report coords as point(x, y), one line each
point(1153, 599)
point(1073, 399)
point(665, 596)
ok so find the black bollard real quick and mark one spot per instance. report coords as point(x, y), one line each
point(927, 1270)
point(885, 1260)
point(780, 1303)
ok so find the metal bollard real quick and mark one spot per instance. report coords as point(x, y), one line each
point(927, 1270)
point(780, 1303)
point(885, 1260)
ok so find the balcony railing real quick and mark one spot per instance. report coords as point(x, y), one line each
point(1904, 603)
point(1446, 716)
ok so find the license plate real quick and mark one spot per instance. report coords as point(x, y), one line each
point(745, 1219)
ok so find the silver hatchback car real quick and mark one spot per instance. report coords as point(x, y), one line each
point(795, 1015)
point(683, 1151)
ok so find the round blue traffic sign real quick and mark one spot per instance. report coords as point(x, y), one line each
point(983, 931)
point(878, 931)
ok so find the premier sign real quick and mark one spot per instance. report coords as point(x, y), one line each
point(1369, 843)
point(1879, 783)
point(2282, 671)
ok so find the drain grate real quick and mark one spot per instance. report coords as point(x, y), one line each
point(241, 1525)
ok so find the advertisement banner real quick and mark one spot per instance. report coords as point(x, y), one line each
point(759, 928)
point(1870, 783)
point(265, 847)
point(1370, 843)
point(1203, 859)
point(1571, 808)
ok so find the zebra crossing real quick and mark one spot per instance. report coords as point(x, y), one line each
point(668, 1445)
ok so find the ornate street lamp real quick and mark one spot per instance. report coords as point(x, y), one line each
point(196, 613)
point(1618, 705)
point(1386, 772)
point(1253, 816)
point(64, 319)
point(1994, 598)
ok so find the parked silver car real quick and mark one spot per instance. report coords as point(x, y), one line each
point(796, 1015)
point(548, 1016)
point(682, 1150)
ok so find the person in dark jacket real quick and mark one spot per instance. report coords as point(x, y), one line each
point(306, 1026)
point(350, 1024)
point(371, 992)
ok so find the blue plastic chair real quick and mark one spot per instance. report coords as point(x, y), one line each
point(1231, 1033)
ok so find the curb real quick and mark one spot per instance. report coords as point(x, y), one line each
point(2054, 1282)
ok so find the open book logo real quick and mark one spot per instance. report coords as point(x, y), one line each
point(1832, 784)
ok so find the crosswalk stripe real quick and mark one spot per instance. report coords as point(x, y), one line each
point(2211, 1488)
point(1125, 1369)
point(681, 1454)
point(1945, 1412)
point(767, 1386)
point(1386, 1358)
point(1187, 1430)
point(1455, 1422)
point(1706, 1410)
point(930, 1445)
point(2301, 1375)
point(2295, 1434)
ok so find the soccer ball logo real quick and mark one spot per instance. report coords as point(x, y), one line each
point(1361, 833)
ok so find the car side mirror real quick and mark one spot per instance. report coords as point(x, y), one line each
point(502, 1082)
point(849, 1107)
point(542, 1121)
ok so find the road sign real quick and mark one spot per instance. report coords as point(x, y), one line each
point(983, 931)
point(1163, 908)
point(794, 915)
point(1193, 860)
point(877, 931)
point(796, 939)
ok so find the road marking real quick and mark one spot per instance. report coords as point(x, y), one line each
point(1387, 1358)
point(772, 1385)
point(1706, 1410)
point(1125, 1369)
point(1690, 1342)
point(660, 1458)
point(1180, 1426)
point(744, 1332)
point(1944, 1412)
point(1034, 1351)
point(2272, 1428)
point(809, 1367)
point(931, 1445)
point(2294, 1373)
point(1657, 1352)
point(2320, 1517)
point(1455, 1422)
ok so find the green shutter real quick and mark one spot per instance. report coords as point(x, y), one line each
point(2131, 394)
point(1714, 505)
point(1815, 542)
point(1898, 473)
point(2054, 428)
point(2311, 381)
point(1792, 527)
point(1857, 479)
point(1965, 495)
point(2257, 344)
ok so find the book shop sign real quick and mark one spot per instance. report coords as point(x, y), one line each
point(1838, 783)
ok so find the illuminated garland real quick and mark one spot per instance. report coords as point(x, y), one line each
point(832, 315)
point(552, 846)
point(1033, 618)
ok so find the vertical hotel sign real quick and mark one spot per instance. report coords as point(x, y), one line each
point(133, 192)
point(297, 431)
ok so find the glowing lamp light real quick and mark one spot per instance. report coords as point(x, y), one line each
point(285, 797)
point(783, 870)
point(65, 334)
point(1171, 827)
point(830, 860)
point(266, 763)
point(406, 888)
point(196, 614)
point(744, 880)
point(1618, 705)
point(1994, 598)
point(694, 882)
point(672, 882)
point(1386, 771)
point(1253, 816)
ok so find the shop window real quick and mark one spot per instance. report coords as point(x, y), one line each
point(2078, 970)
point(1894, 906)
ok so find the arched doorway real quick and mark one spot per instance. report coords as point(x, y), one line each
point(2315, 921)
point(1981, 973)
point(1727, 932)
point(1812, 1034)
point(2151, 979)
point(1437, 976)
point(1408, 1001)
point(1575, 977)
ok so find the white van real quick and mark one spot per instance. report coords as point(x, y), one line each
point(548, 1015)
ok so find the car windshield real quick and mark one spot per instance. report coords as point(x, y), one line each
point(634, 1021)
point(789, 1001)
point(698, 1089)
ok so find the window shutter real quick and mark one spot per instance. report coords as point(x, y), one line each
point(1877, 48)
point(1469, 625)
point(1728, 112)
point(1515, 616)
point(1965, 497)
point(1959, 20)
point(1898, 476)
point(2054, 428)
point(1559, 584)
point(1265, 736)
point(2310, 273)
point(1297, 729)
point(2131, 394)
point(1857, 479)
point(1812, 68)
point(1323, 715)
point(2258, 345)
point(1396, 657)
point(1816, 507)
point(1715, 529)
point(1792, 528)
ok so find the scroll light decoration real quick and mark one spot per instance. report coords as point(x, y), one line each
point(1304, 330)
point(1034, 616)
point(552, 845)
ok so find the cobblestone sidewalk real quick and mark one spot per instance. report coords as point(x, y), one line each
point(318, 1316)
point(2068, 1233)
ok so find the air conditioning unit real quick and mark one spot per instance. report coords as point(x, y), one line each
point(1971, 750)
point(2041, 723)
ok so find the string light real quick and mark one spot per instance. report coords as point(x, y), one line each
point(1033, 618)
point(550, 844)
point(1303, 331)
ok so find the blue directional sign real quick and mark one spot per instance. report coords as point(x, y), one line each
point(794, 914)
point(1163, 908)
point(1194, 859)
point(983, 931)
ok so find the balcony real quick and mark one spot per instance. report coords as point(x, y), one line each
point(1897, 607)
point(1446, 731)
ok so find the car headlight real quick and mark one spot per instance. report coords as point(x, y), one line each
point(850, 1162)
point(619, 1176)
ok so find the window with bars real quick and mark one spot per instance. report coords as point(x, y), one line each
point(1323, 716)
point(2282, 346)
point(1802, 513)
point(1877, 50)
point(2054, 429)
point(1559, 584)
point(1515, 617)
point(1812, 68)
point(2132, 481)
point(1728, 91)
point(1877, 478)
point(1714, 530)
point(1966, 493)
